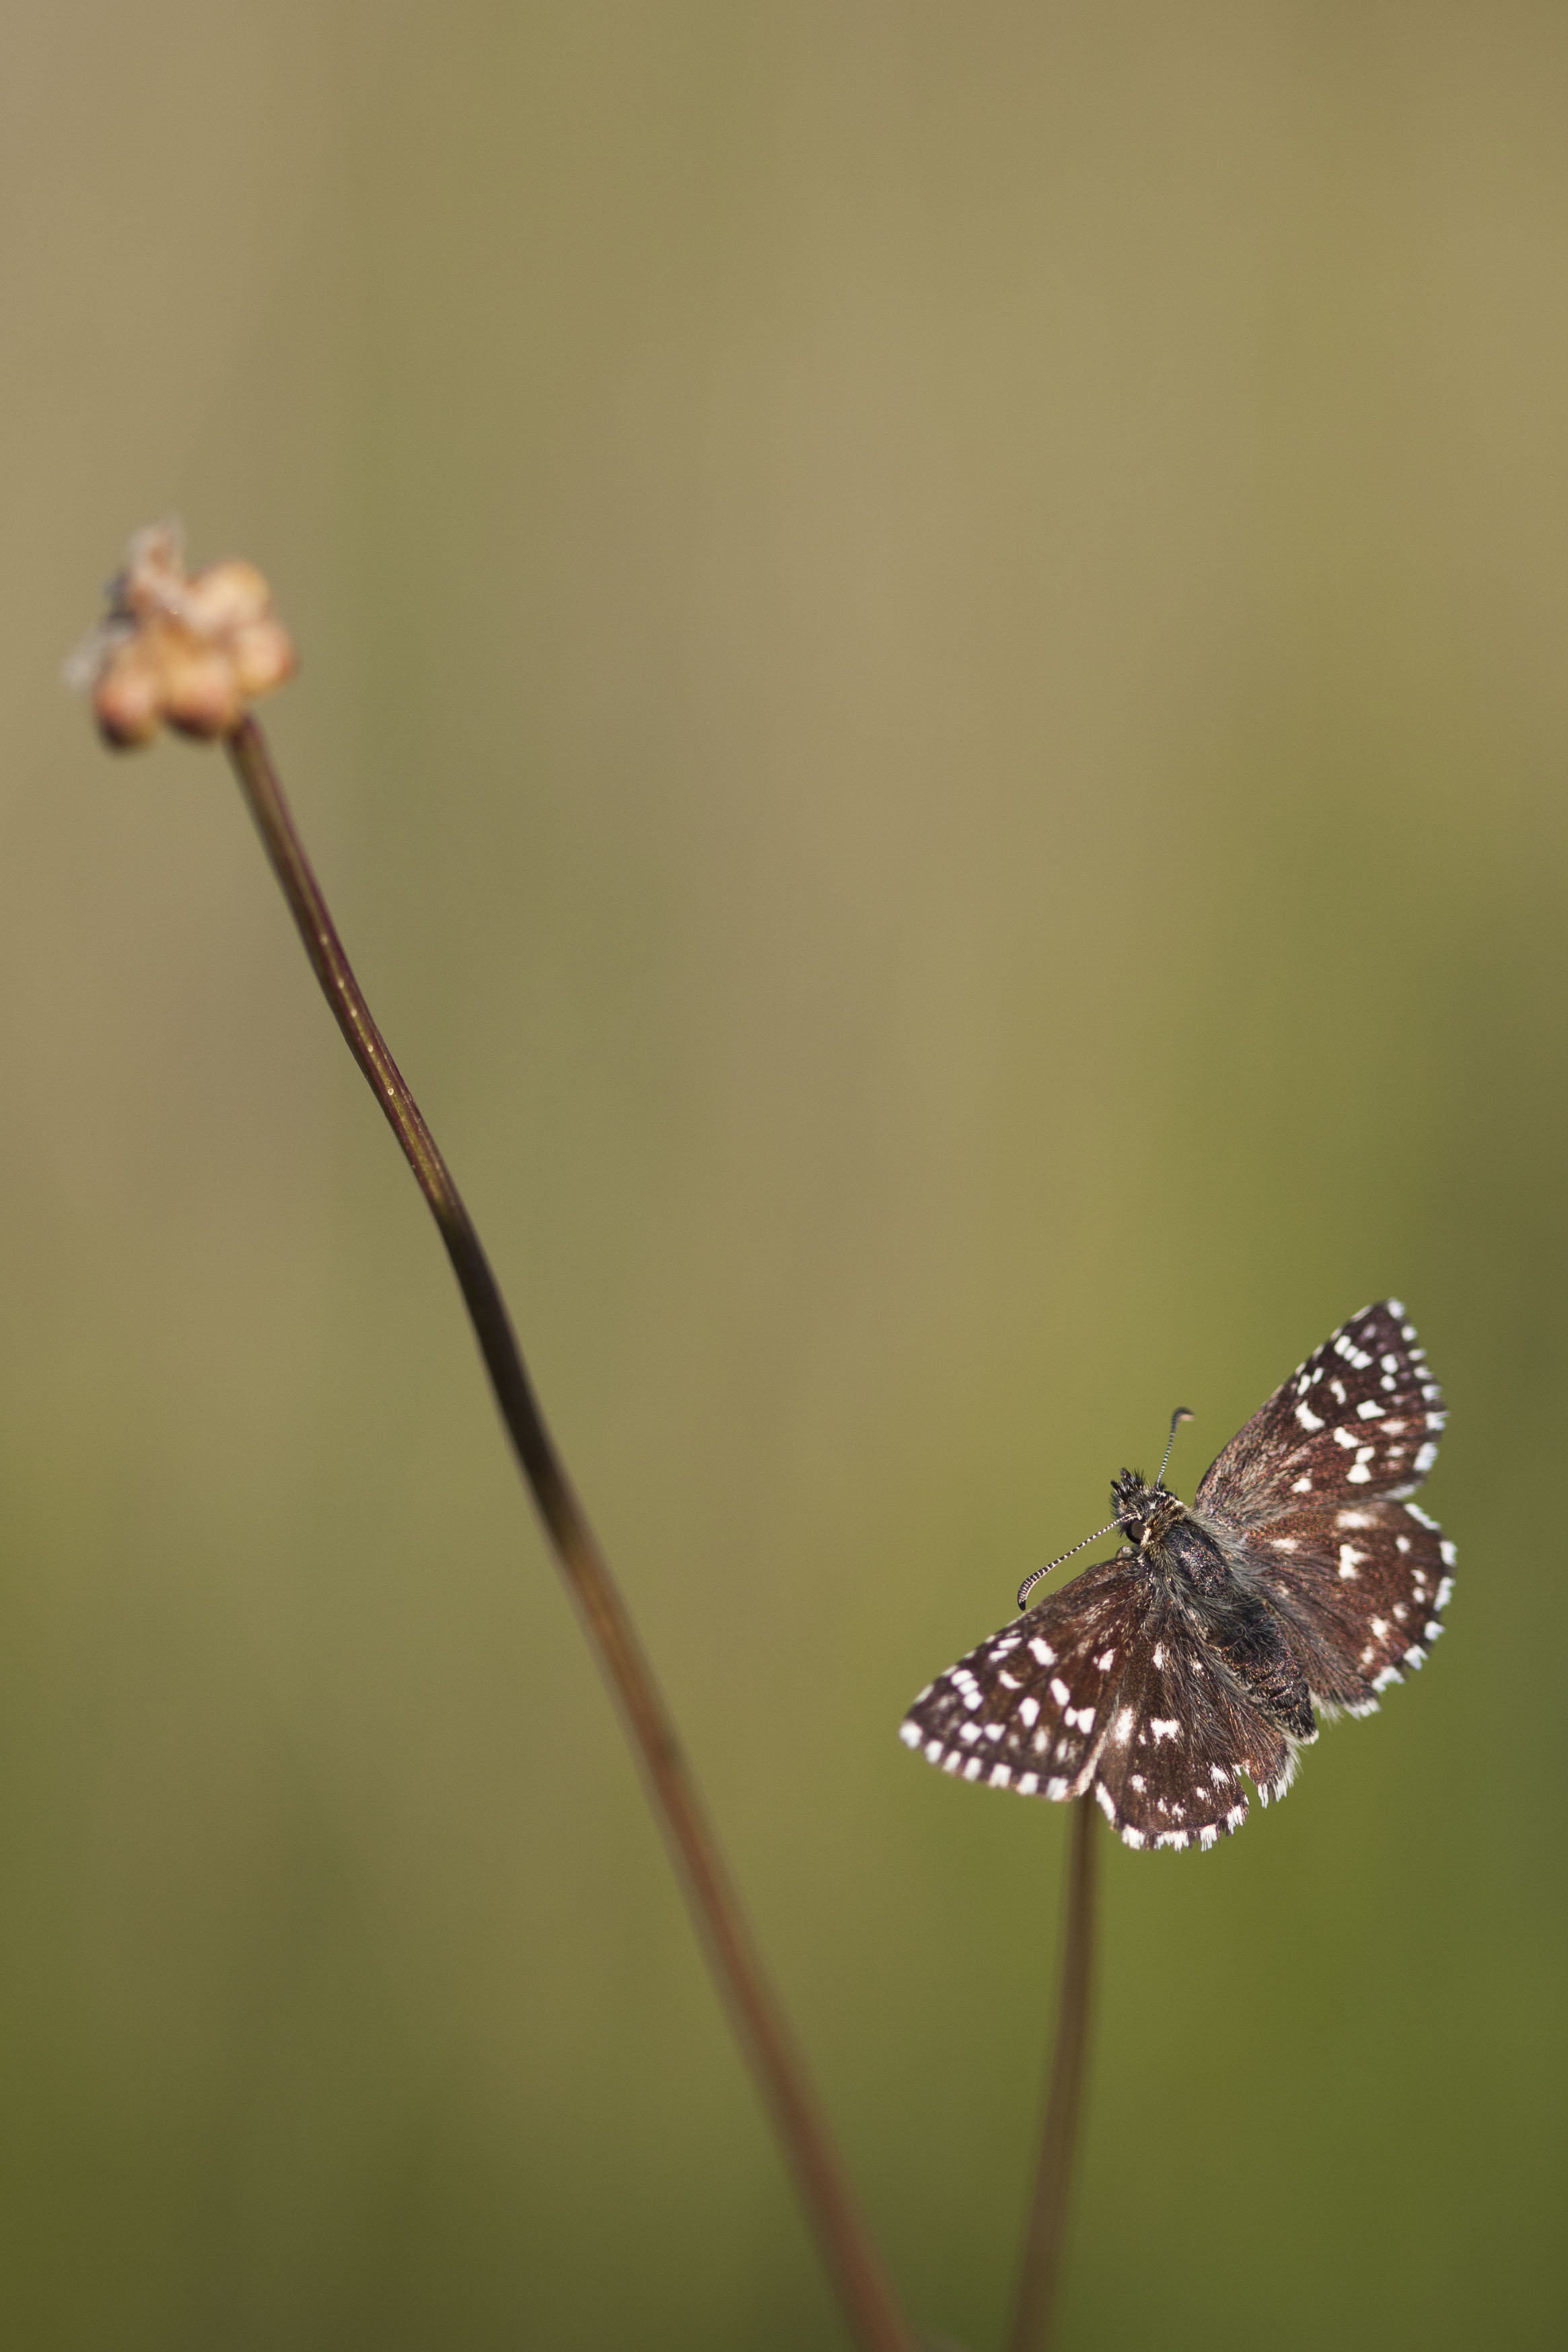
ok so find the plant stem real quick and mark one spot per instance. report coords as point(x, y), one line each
point(867, 2297)
point(1041, 2270)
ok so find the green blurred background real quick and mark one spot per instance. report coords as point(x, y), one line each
point(934, 705)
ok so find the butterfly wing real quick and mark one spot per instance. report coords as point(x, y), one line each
point(1030, 1708)
point(1358, 1419)
point(1183, 1732)
point(1310, 1497)
point(1108, 1685)
point(1159, 1700)
point(1362, 1586)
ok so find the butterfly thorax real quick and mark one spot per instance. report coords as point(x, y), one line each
point(1163, 1532)
point(1180, 1552)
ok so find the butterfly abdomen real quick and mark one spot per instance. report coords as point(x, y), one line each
point(1252, 1640)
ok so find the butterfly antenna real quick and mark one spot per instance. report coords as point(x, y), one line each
point(1029, 1582)
point(1177, 1418)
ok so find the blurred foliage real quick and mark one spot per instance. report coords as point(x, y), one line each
point(934, 706)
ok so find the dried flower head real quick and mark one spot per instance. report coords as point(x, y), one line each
point(178, 649)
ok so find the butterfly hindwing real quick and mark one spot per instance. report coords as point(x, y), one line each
point(1363, 1586)
point(1182, 1734)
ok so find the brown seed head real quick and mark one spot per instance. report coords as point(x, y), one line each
point(178, 649)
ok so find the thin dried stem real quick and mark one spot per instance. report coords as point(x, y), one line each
point(852, 2259)
point(1041, 2272)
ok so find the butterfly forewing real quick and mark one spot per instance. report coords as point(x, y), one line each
point(1359, 1418)
point(1029, 1708)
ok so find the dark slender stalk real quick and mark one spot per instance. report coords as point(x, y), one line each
point(753, 2006)
point(1041, 2272)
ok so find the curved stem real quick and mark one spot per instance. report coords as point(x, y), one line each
point(1041, 2272)
point(867, 2297)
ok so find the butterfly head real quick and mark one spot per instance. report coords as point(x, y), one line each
point(1148, 1513)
